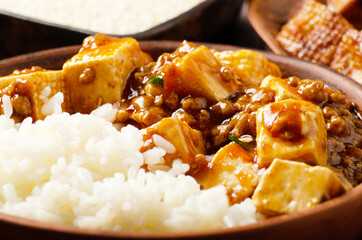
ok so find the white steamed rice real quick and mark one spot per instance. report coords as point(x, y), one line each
point(80, 170)
point(105, 16)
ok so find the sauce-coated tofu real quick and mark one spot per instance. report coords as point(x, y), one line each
point(98, 73)
point(291, 129)
point(289, 186)
point(199, 73)
point(25, 89)
point(188, 142)
point(281, 88)
point(233, 167)
point(250, 67)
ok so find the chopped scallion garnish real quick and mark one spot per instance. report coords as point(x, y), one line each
point(241, 143)
point(158, 80)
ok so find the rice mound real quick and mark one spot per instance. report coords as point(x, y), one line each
point(80, 170)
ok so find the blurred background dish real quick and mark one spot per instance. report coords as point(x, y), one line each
point(208, 20)
point(324, 32)
point(267, 17)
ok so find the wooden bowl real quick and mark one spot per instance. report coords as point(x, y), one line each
point(339, 218)
point(19, 34)
point(267, 18)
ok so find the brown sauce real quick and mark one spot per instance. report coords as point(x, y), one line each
point(284, 122)
point(20, 95)
point(145, 103)
point(27, 70)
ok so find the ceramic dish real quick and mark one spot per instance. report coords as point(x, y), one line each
point(339, 218)
point(23, 34)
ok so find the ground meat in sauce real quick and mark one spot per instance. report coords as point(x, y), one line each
point(145, 103)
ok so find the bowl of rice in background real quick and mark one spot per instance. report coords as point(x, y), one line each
point(28, 26)
point(339, 218)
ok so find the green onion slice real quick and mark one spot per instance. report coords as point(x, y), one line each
point(158, 80)
point(241, 143)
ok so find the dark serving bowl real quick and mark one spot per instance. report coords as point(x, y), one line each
point(339, 218)
point(19, 34)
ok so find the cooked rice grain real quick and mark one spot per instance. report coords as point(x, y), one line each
point(80, 170)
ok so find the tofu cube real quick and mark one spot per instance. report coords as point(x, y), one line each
point(233, 167)
point(313, 33)
point(348, 57)
point(98, 73)
point(291, 129)
point(187, 142)
point(26, 91)
point(251, 67)
point(199, 73)
point(289, 186)
point(281, 88)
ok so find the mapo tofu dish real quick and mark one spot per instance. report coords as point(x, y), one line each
point(286, 143)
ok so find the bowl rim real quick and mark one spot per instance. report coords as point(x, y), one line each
point(257, 22)
point(355, 193)
point(323, 208)
point(156, 29)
